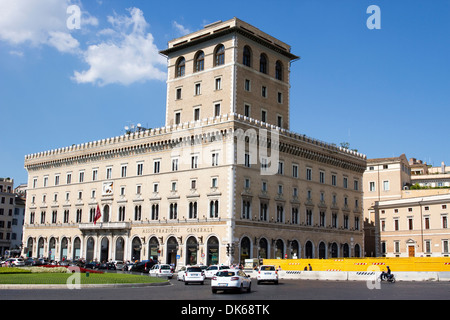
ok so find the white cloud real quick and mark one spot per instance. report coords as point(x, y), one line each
point(123, 53)
point(36, 23)
point(128, 55)
point(182, 31)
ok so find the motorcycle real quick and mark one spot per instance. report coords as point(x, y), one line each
point(384, 276)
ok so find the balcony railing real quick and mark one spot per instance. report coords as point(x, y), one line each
point(105, 226)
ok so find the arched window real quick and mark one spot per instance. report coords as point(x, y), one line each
point(193, 210)
point(214, 209)
point(199, 61)
point(219, 55)
point(279, 70)
point(247, 57)
point(137, 213)
point(180, 67)
point(173, 212)
point(263, 63)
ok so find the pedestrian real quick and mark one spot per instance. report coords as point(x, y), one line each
point(310, 268)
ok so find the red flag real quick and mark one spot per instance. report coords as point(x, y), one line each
point(97, 215)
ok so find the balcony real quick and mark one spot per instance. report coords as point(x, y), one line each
point(105, 226)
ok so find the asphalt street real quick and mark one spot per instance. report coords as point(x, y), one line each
point(285, 290)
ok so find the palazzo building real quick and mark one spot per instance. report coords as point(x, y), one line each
point(223, 181)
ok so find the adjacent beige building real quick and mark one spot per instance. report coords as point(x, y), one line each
point(222, 181)
point(406, 222)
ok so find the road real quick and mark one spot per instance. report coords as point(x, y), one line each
point(285, 290)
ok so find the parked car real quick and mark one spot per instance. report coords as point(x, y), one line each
point(120, 265)
point(161, 270)
point(194, 275)
point(231, 279)
point(15, 262)
point(212, 270)
point(107, 266)
point(267, 273)
point(181, 273)
point(32, 262)
point(92, 265)
point(142, 266)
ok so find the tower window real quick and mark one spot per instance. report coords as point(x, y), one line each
point(180, 67)
point(220, 55)
point(199, 61)
point(263, 63)
point(247, 59)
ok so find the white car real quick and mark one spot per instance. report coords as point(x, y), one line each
point(194, 274)
point(231, 279)
point(161, 270)
point(212, 270)
point(181, 273)
point(16, 262)
point(267, 273)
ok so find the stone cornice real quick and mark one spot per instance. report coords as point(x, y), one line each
point(193, 133)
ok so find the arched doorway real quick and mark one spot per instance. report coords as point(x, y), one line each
point(30, 247)
point(322, 251)
point(346, 250)
point(136, 247)
point(76, 249)
point(64, 247)
point(52, 249)
point(213, 251)
point(295, 251)
point(263, 249)
point(334, 250)
point(191, 251)
point(41, 244)
point(309, 251)
point(104, 249)
point(279, 249)
point(172, 249)
point(357, 251)
point(120, 249)
point(245, 249)
point(153, 249)
point(90, 249)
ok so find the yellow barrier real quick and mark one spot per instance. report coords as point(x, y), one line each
point(363, 264)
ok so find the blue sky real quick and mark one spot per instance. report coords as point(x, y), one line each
point(385, 91)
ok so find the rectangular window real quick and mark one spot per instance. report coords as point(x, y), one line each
point(217, 110)
point(156, 166)
point(177, 117)
point(247, 85)
point(295, 171)
point(178, 96)
point(140, 169)
point(174, 164)
point(218, 83)
point(108, 173)
point(247, 110)
point(197, 114)
point(322, 177)
point(194, 162)
point(123, 171)
point(198, 89)
point(308, 174)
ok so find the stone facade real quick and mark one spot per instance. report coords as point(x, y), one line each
point(224, 180)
